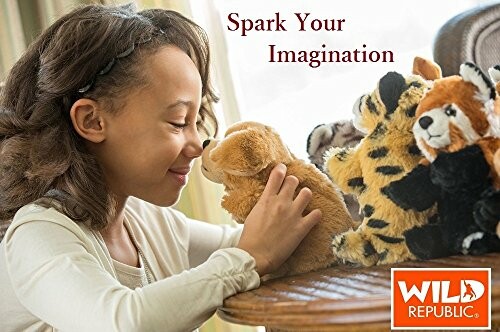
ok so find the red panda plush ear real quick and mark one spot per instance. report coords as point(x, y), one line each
point(471, 73)
point(428, 69)
point(495, 76)
point(494, 117)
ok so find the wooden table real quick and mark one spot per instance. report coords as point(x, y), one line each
point(340, 298)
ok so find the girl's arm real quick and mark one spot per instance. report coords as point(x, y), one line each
point(58, 280)
point(205, 238)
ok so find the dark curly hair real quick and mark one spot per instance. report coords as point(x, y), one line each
point(42, 158)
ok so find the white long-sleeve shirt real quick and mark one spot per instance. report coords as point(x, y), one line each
point(56, 274)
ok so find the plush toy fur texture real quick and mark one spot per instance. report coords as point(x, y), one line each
point(453, 131)
point(340, 134)
point(243, 160)
point(384, 155)
point(487, 209)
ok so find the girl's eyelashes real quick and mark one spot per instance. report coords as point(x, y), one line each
point(179, 125)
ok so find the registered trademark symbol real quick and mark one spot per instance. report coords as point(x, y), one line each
point(476, 315)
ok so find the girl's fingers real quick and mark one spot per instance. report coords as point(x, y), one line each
point(311, 220)
point(275, 181)
point(289, 186)
point(303, 198)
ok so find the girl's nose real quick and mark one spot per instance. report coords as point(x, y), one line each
point(194, 147)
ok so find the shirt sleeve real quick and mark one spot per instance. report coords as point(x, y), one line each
point(57, 279)
point(205, 238)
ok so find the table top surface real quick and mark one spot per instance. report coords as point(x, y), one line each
point(340, 298)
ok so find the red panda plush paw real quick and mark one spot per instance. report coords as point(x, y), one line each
point(465, 170)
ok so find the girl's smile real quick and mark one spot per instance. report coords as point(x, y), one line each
point(180, 174)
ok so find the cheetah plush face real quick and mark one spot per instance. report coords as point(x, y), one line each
point(453, 114)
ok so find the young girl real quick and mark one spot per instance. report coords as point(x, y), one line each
point(98, 129)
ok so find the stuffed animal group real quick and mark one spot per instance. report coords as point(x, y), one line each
point(242, 162)
point(422, 158)
point(458, 174)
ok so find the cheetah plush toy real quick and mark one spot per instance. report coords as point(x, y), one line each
point(388, 151)
point(454, 133)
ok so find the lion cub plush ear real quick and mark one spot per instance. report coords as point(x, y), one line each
point(248, 151)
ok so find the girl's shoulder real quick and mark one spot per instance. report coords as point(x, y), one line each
point(36, 213)
point(46, 224)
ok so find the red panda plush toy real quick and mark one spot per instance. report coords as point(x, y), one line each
point(453, 132)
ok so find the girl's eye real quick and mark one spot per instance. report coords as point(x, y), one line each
point(179, 125)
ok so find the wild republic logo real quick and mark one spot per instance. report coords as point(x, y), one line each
point(440, 298)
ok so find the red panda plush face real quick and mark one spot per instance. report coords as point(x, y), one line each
point(453, 113)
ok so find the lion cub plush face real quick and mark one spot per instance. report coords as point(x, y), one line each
point(453, 114)
point(247, 149)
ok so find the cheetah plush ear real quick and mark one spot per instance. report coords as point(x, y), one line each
point(428, 69)
point(390, 88)
point(471, 73)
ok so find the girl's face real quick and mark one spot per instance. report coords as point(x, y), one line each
point(151, 142)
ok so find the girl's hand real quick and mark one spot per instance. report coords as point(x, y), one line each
point(275, 226)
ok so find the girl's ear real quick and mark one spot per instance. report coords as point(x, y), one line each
point(87, 120)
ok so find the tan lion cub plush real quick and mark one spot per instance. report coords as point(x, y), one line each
point(243, 160)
